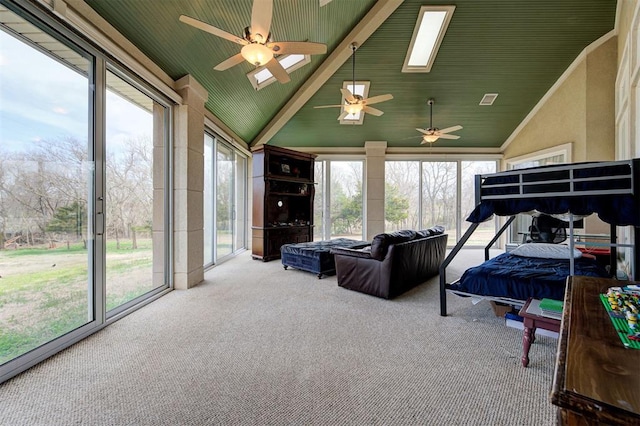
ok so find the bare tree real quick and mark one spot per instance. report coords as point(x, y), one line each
point(38, 181)
point(129, 197)
point(439, 192)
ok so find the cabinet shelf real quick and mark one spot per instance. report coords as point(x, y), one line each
point(288, 227)
point(289, 194)
point(283, 192)
point(292, 179)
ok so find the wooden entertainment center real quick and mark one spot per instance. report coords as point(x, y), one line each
point(597, 379)
point(283, 191)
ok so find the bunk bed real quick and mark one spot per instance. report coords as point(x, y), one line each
point(570, 191)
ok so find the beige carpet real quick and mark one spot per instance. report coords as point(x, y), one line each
point(258, 345)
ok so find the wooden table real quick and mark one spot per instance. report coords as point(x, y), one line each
point(531, 322)
point(597, 379)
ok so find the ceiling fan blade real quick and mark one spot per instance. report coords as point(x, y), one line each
point(211, 29)
point(329, 106)
point(342, 115)
point(348, 96)
point(450, 129)
point(445, 136)
point(426, 132)
point(372, 111)
point(298, 47)
point(261, 14)
point(377, 99)
point(277, 70)
point(232, 61)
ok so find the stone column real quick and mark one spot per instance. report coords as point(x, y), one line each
point(188, 184)
point(374, 175)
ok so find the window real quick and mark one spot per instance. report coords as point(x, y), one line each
point(262, 77)
point(134, 138)
point(486, 230)
point(420, 194)
point(45, 191)
point(338, 202)
point(224, 208)
point(401, 195)
point(555, 155)
point(84, 192)
point(439, 196)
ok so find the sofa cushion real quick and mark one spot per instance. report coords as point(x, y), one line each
point(381, 242)
point(434, 230)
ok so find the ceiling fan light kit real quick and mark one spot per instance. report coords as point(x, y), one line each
point(258, 49)
point(353, 108)
point(353, 103)
point(432, 134)
point(256, 54)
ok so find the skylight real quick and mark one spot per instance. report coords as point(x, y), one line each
point(261, 76)
point(428, 33)
point(362, 89)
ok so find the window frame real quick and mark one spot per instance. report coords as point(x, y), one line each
point(99, 63)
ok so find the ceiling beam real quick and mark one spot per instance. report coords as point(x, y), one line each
point(379, 13)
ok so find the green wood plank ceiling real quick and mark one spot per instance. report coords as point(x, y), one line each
point(517, 49)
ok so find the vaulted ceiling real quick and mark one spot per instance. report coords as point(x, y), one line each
point(517, 49)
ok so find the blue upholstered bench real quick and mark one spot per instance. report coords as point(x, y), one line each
point(316, 256)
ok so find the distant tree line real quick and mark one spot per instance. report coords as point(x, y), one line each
point(44, 192)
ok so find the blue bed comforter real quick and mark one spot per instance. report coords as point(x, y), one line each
point(519, 278)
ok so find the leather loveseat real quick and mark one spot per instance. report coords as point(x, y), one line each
point(394, 262)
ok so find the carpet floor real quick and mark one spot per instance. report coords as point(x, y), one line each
point(257, 345)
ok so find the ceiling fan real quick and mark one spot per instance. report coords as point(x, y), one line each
point(354, 102)
point(258, 48)
point(432, 134)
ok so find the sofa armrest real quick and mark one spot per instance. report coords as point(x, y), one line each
point(343, 251)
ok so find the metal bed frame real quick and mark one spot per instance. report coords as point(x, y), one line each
point(544, 182)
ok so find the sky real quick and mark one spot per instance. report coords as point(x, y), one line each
point(41, 99)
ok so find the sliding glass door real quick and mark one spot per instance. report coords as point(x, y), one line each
point(83, 189)
point(225, 191)
point(225, 201)
point(129, 192)
point(46, 267)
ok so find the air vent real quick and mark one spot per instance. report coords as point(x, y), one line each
point(488, 98)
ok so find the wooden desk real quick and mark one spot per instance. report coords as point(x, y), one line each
point(597, 379)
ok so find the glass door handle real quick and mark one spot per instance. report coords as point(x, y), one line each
point(100, 216)
point(99, 223)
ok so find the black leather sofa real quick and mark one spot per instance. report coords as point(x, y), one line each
point(394, 262)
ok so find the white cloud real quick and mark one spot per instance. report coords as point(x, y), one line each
point(43, 99)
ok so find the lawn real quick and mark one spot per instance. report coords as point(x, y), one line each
point(45, 293)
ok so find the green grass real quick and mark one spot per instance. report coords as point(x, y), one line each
point(38, 281)
point(115, 301)
point(15, 341)
point(42, 302)
point(125, 247)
